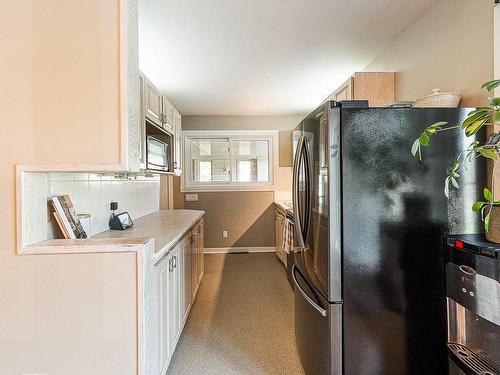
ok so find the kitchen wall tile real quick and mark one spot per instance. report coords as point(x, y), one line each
point(90, 194)
point(34, 216)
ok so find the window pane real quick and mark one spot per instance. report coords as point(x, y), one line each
point(210, 160)
point(205, 171)
point(250, 162)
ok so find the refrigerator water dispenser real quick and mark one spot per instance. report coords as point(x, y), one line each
point(473, 305)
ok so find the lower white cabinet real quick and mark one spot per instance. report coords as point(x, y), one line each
point(186, 296)
point(173, 298)
point(178, 276)
point(163, 274)
point(197, 264)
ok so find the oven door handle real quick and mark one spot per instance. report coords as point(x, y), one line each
point(317, 307)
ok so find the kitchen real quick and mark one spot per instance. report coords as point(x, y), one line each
point(103, 71)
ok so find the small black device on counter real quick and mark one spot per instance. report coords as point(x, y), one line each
point(473, 303)
point(120, 221)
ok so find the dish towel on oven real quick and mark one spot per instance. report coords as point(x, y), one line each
point(287, 236)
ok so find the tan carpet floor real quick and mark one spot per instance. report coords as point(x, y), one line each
point(242, 320)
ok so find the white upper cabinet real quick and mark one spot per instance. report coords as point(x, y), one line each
point(168, 114)
point(152, 103)
point(177, 143)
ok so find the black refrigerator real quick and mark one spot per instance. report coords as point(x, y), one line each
point(370, 219)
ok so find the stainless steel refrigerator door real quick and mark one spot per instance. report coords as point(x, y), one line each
point(320, 260)
point(318, 329)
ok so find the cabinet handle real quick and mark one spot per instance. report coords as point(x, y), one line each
point(170, 265)
point(175, 261)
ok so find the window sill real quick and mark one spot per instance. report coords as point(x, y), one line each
point(221, 188)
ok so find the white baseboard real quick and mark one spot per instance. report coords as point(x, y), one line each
point(228, 250)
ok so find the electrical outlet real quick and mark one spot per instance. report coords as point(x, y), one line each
point(224, 234)
point(191, 197)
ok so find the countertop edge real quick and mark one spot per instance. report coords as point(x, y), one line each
point(106, 245)
point(167, 247)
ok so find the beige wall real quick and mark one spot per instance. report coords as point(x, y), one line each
point(450, 48)
point(59, 103)
point(247, 216)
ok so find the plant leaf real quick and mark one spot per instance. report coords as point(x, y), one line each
point(415, 149)
point(477, 206)
point(438, 125)
point(496, 116)
point(474, 116)
point(494, 101)
point(488, 153)
point(447, 187)
point(487, 195)
point(476, 125)
point(490, 85)
point(487, 221)
point(425, 139)
point(454, 182)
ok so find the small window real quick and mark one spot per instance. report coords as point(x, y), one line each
point(229, 160)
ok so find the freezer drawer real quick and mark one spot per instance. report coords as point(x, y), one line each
point(318, 329)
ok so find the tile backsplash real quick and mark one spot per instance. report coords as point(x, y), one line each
point(283, 190)
point(90, 194)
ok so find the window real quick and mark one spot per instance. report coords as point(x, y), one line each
point(229, 160)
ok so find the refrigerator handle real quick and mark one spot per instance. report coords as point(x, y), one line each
point(295, 191)
point(308, 208)
point(317, 307)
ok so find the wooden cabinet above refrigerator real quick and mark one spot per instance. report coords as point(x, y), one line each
point(376, 87)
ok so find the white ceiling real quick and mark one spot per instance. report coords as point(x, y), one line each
point(260, 57)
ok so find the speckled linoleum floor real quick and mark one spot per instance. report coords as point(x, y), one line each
point(242, 320)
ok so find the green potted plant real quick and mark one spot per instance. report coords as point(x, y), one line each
point(489, 208)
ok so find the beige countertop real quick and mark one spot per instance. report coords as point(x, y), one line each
point(166, 228)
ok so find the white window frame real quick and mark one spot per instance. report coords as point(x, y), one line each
point(232, 135)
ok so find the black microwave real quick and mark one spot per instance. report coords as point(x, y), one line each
point(157, 156)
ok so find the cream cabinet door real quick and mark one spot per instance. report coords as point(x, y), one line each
point(152, 103)
point(177, 143)
point(185, 268)
point(194, 262)
point(173, 302)
point(168, 114)
point(201, 250)
point(162, 277)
